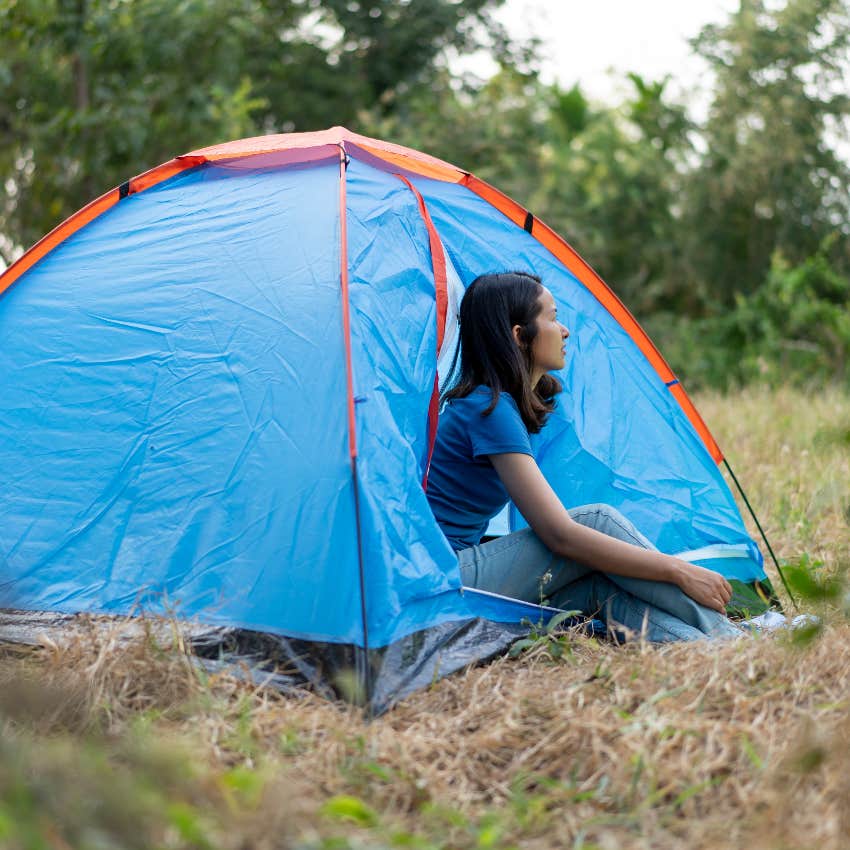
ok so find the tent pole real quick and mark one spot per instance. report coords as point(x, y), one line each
point(761, 531)
point(364, 674)
point(363, 668)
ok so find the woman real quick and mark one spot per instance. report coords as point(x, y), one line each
point(590, 558)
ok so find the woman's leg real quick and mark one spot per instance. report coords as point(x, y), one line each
point(598, 595)
point(520, 566)
point(662, 596)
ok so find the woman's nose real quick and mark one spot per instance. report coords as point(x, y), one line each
point(564, 331)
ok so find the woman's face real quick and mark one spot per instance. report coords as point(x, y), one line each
point(548, 348)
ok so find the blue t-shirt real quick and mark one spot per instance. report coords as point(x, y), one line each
point(464, 490)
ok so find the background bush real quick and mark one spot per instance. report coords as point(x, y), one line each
point(726, 236)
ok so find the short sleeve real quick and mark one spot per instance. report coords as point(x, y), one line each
point(501, 432)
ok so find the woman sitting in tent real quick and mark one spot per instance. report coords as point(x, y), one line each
point(589, 558)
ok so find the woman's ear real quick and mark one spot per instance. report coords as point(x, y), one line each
point(516, 330)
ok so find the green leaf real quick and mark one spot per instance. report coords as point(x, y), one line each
point(348, 808)
point(804, 581)
point(488, 835)
point(187, 821)
point(558, 619)
point(751, 754)
point(247, 783)
point(520, 646)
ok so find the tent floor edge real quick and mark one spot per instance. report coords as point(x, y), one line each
point(293, 666)
point(409, 664)
point(296, 667)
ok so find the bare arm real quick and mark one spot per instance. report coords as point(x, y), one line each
point(543, 511)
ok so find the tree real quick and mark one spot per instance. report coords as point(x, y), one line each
point(612, 178)
point(494, 130)
point(389, 47)
point(95, 91)
point(770, 178)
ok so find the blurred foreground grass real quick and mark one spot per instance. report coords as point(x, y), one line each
point(128, 745)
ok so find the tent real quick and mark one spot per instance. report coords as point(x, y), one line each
point(220, 394)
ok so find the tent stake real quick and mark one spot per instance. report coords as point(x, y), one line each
point(761, 531)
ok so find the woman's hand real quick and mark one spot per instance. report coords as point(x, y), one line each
point(702, 585)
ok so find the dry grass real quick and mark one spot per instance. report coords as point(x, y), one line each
point(698, 746)
point(103, 675)
point(791, 451)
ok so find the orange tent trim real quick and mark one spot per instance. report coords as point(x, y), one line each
point(412, 161)
point(407, 158)
point(90, 212)
point(585, 274)
point(441, 288)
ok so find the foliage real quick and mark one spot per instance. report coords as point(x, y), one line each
point(492, 129)
point(553, 637)
point(795, 328)
point(708, 233)
point(797, 325)
point(95, 91)
point(611, 180)
point(727, 238)
point(393, 49)
point(95, 793)
point(771, 178)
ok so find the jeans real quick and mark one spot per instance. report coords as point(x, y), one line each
point(520, 566)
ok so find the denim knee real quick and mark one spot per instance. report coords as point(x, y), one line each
point(598, 509)
point(610, 521)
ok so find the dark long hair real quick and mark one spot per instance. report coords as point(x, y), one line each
point(489, 354)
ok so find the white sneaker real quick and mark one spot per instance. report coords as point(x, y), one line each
point(803, 620)
point(770, 621)
point(767, 622)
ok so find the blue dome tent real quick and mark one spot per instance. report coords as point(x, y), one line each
point(220, 394)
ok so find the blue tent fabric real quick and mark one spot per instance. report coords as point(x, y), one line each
point(149, 365)
point(174, 418)
point(617, 435)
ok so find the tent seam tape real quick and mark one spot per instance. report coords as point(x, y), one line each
point(438, 269)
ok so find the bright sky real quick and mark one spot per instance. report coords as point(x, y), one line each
point(595, 42)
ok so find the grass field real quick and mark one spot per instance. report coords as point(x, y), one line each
point(744, 744)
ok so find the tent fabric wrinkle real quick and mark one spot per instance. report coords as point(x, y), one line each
point(438, 263)
point(237, 429)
